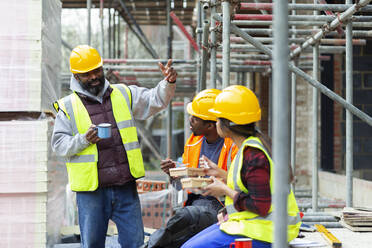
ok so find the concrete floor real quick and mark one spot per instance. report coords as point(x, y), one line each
point(348, 238)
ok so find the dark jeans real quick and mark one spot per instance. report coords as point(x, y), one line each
point(120, 204)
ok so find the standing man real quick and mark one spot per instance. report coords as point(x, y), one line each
point(103, 172)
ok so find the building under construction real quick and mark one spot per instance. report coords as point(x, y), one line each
point(309, 63)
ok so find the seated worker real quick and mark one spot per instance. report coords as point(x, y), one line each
point(249, 186)
point(204, 140)
point(199, 211)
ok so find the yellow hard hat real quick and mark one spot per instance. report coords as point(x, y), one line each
point(201, 103)
point(84, 58)
point(237, 104)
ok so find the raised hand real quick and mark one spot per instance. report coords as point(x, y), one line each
point(168, 71)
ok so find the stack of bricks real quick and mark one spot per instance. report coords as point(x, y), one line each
point(32, 180)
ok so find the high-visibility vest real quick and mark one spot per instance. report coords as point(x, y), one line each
point(250, 224)
point(192, 152)
point(82, 167)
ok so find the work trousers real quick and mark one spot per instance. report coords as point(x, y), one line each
point(120, 204)
point(213, 237)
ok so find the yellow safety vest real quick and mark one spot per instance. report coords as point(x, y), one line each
point(247, 223)
point(82, 167)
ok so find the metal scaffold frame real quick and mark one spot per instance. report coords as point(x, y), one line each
point(326, 29)
point(260, 44)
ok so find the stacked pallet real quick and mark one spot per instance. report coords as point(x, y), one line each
point(30, 43)
point(32, 180)
point(32, 185)
point(357, 219)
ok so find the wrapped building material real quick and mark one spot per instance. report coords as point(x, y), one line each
point(32, 185)
point(30, 54)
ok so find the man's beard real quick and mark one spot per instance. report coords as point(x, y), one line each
point(94, 90)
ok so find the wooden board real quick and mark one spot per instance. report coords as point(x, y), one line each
point(356, 228)
point(195, 182)
point(185, 171)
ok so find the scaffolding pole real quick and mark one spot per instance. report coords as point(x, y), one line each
point(225, 43)
point(281, 123)
point(330, 27)
point(102, 28)
point(363, 116)
point(297, 23)
point(203, 78)
point(293, 111)
point(89, 7)
point(213, 59)
point(315, 122)
point(359, 42)
point(138, 31)
point(169, 109)
point(349, 117)
point(318, 7)
point(293, 30)
point(198, 41)
point(322, 18)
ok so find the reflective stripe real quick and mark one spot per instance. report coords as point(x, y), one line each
point(231, 209)
point(132, 146)
point(228, 163)
point(125, 124)
point(292, 220)
point(235, 172)
point(236, 166)
point(70, 111)
point(82, 158)
point(124, 93)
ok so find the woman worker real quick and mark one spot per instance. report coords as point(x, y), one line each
point(249, 186)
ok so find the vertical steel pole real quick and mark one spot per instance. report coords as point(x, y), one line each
point(169, 110)
point(118, 36)
point(349, 116)
point(114, 34)
point(102, 29)
point(89, 6)
point(186, 123)
point(198, 41)
point(293, 111)
point(244, 78)
point(204, 50)
point(126, 41)
point(281, 122)
point(315, 125)
point(109, 33)
point(213, 59)
point(225, 43)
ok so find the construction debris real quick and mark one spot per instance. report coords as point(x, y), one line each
point(357, 219)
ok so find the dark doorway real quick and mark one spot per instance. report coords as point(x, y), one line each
point(327, 117)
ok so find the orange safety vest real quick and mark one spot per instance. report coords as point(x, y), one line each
point(192, 149)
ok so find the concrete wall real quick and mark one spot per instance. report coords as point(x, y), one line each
point(334, 186)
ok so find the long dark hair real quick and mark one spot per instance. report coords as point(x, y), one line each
point(247, 131)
